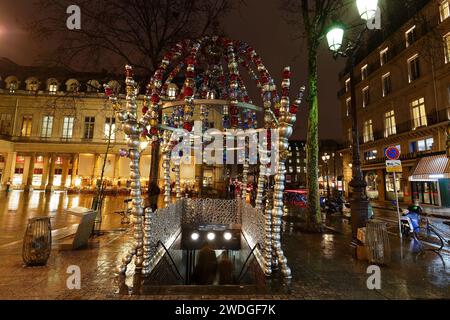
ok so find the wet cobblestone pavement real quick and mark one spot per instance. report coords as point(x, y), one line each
point(323, 266)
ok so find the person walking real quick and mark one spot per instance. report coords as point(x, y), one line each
point(8, 185)
point(206, 269)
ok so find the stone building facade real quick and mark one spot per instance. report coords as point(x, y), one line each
point(403, 100)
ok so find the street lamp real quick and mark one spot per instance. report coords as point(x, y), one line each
point(326, 158)
point(359, 202)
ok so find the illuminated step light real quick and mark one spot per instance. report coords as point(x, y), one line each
point(227, 236)
point(195, 236)
point(211, 236)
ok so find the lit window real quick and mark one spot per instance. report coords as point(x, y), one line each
point(384, 56)
point(347, 85)
point(370, 155)
point(110, 128)
point(368, 131)
point(27, 123)
point(419, 113)
point(53, 88)
point(386, 84)
point(413, 68)
point(364, 72)
point(68, 128)
point(444, 10)
point(366, 97)
point(348, 104)
point(47, 127)
point(410, 36)
point(422, 145)
point(447, 47)
point(389, 124)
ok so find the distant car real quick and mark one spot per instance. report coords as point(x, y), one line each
point(296, 198)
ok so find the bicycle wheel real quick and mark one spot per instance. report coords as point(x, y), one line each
point(431, 237)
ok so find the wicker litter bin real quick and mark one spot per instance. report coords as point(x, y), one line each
point(37, 243)
point(377, 240)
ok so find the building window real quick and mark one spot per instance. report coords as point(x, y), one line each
point(386, 84)
point(68, 128)
point(389, 124)
point(89, 125)
point(110, 128)
point(410, 36)
point(370, 155)
point(419, 113)
point(348, 104)
point(47, 127)
point(27, 123)
point(422, 145)
point(347, 85)
point(447, 47)
point(53, 88)
point(368, 131)
point(444, 10)
point(413, 68)
point(5, 123)
point(364, 72)
point(366, 97)
point(384, 56)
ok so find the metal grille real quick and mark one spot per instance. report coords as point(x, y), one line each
point(378, 247)
point(210, 211)
point(252, 224)
point(37, 243)
point(165, 223)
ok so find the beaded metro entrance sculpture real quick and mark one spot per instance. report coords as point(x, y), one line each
point(210, 72)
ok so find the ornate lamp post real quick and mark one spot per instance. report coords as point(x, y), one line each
point(325, 159)
point(335, 36)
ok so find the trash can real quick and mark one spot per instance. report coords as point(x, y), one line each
point(37, 243)
point(377, 241)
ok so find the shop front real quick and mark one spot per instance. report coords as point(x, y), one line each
point(430, 181)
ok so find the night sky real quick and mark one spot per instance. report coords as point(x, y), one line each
point(260, 23)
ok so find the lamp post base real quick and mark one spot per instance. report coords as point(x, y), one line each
point(360, 212)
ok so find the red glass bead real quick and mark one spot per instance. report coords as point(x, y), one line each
point(190, 60)
point(188, 91)
point(155, 98)
point(287, 74)
point(293, 109)
point(144, 110)
point(154, 131)
point(187, 126)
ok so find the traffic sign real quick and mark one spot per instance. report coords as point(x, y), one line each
point(393, 166)
point(392, 153)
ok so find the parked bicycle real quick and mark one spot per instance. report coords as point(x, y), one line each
point(412, 224)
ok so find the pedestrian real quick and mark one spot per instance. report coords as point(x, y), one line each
point(8, 185)
point(225, 268)
point(206, 269)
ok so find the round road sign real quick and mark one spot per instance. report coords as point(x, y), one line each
point(392, 153)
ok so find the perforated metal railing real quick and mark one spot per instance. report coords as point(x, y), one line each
point(165, 224)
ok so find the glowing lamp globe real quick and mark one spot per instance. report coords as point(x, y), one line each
point(335, 37)
point(367, 8)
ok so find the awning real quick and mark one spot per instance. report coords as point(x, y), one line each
point(432, 168)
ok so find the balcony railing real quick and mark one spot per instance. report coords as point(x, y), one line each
point(407, 126)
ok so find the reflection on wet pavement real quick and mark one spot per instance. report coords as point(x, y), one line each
point(323, 265)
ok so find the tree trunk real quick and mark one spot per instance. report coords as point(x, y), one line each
point(314, 218)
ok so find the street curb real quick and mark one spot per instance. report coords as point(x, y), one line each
point(425, 213)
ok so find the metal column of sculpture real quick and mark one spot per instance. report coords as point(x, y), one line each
point(207, 71)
